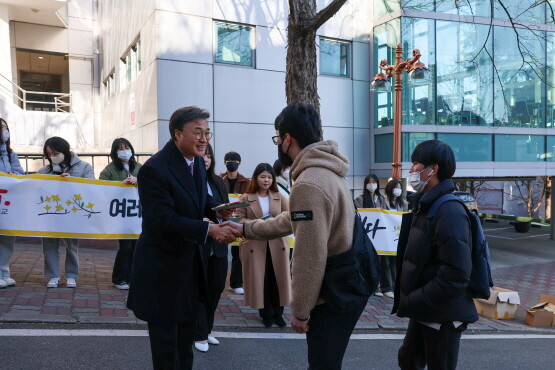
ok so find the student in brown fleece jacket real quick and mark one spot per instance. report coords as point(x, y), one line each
point(322, 219)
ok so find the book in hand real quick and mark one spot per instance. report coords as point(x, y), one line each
point(232, 205)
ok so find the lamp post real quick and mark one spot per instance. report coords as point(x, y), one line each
point(418, 76)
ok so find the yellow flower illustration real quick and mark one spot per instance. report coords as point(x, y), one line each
point(47, 207)
point(77, 197)
point(47, 199)
point(74, 209)
point(68, 202)
point(56, 198)
point(90, 205)
point(59, 208)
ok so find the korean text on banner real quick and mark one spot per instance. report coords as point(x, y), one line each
point(68, 207)
point(383, 229)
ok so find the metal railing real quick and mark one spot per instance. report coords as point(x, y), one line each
point(102, 159)
point(59, 102)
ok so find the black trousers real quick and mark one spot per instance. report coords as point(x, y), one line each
point(272, 309)
point(171, 346)
point(216, 274)
point(438, 349)
point(388, 272)
point(124, 259)
point(236, 275)
point(328, 336)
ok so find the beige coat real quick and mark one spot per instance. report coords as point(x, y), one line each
point(253, 254)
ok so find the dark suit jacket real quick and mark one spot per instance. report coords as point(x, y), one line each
point(168, 278)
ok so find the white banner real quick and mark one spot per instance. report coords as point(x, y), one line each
point(383, 229)
point(68, 207)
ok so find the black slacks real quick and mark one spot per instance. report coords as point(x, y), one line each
point(438, 349)
point(216, 275)
point(124, 259)
point(171, 346)
point(328, 336)
point(236, 274)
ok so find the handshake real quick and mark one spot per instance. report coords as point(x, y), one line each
point(226, 232)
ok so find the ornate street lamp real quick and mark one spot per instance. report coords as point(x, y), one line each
point(418, 76)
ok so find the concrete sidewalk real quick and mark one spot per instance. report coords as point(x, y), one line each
point(96, 301)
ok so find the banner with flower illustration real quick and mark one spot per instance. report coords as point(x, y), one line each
point(68, 207)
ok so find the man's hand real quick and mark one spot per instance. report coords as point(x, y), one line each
point(299, 326)
point(225, 213)
point(237, 227)
point(223, 233)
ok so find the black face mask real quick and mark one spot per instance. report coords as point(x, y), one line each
point(283, 157)
point(232, 166)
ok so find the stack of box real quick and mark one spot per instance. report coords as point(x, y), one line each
point(502, 304)
point(542, 313)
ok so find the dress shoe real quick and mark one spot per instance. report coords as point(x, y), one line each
point(202, 347)
point(280, 322)
point(268, 322)
point(212, 340)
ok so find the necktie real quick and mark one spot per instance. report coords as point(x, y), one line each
point(191, 168)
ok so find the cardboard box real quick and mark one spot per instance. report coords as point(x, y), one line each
point(542, 313)
point(502, 304)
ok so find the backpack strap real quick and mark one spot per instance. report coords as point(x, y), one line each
point(435, 206)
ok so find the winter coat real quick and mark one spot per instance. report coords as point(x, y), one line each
point(78, 168)
point(432, 280)
point(379, 201)
point(241, 184)
point(112, 173)
point(253, 254)
point(9, 163)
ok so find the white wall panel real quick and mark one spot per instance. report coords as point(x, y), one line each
point(194, 7)
point(344, 138)
point(361, 152)
point(80, 71)
point(361, 104)
point(271, 48)
point(272, 13)
point(80, 42)
point(361, 61)
point(340, 25)
point(336, 101)
point(37, 37)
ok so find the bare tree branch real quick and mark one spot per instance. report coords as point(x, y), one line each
point(323, 15)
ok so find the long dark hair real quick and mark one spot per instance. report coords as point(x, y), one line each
point(253, 184)
point(210, 171)
point(114, 154)
point(393, 203)
point(367, 200)
point(61, 146)
point(8, 146)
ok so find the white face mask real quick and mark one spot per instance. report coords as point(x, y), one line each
point(285, 174)
point(5, 136)
point(397, 192)
point(57, 159)
point(371, 187)
point(416, 183)
point(125, 155)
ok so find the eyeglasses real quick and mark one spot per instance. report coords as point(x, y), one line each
point(275, 139)
point(207, 135)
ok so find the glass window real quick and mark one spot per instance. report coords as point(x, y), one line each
point(519, 90)
point(550, 108)
point(334, 58)
point(383, 148)
point(411, 140)
point(422, 5)
point(519, 148)
point(469, 147)
point(235, 44)
point(519, 11)
point(479, 8)
point(464, 75)
point(418, 102)
point(133, 62)
point(550, 150)
point(383, 7)
point(386, 37)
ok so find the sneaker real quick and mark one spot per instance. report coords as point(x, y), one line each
point(239, 290)
point(71, 283)
point(3, 283)
point(389, 295)
point(53, 283)
point(9, 281)
point(212, 340)
point(122, 286)
point(202, 347)
point(378, 294)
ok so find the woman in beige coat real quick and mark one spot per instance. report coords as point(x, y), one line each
point(266, 274)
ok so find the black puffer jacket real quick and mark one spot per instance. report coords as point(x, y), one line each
point(432, 280)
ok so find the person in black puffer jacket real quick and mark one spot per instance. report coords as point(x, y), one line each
point(433, 270)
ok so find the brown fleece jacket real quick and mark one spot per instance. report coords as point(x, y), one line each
point(320, 187)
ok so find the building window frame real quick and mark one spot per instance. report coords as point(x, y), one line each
point(219, 59)
point(132, 61)
point(343, 55)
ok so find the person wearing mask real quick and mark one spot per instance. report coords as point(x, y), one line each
point(123, 168)
point(394, 200)
point(235, 183)
point(9, 163)
point(215, 259)
point(282, 173)
point(63, 162)
point(267, 277)
point(372, 198)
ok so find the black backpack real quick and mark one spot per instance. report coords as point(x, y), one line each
point(352, 276)
point(480, 278)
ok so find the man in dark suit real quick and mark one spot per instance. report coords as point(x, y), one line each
point(168, 279)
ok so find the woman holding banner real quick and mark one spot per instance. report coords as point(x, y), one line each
point(123, 168)
point(266, 273)
point(63, 162)
point(9, 163)
point(393, 192)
